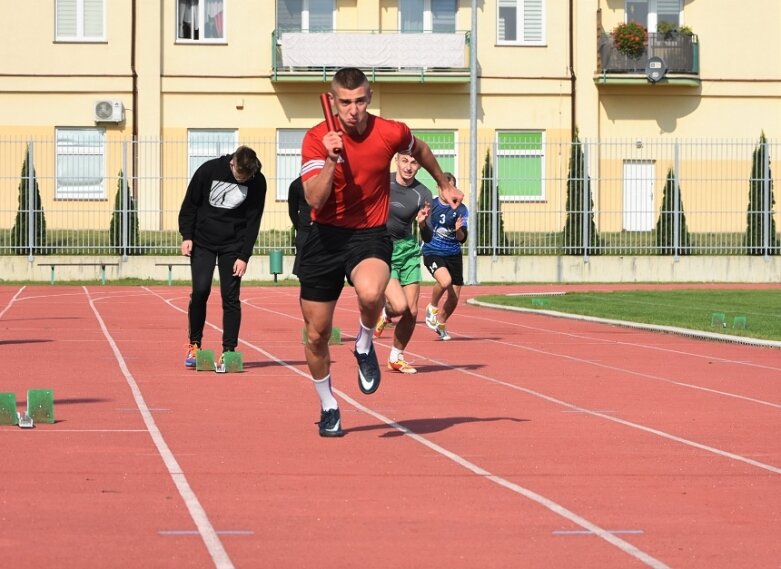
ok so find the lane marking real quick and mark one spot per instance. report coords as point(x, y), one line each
point(11, 302)
point(205, 529)
point(554, 507)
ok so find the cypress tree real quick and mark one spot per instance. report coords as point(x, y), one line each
point(484, 217)
point(665, 225)
point(20, 234)
point(579, 194)
point(755, 218)
point(116, 229)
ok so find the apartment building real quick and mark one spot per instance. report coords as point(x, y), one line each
point(166, 84)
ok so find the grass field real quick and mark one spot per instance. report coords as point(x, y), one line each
point(693, 309)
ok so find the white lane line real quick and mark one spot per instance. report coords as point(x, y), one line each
point(11, 302)
point(554, 507)
point(205, 529)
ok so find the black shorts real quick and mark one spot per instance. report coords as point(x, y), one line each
point(331, 253)
point(453, 263)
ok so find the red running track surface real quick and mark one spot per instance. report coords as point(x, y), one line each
point(526, 441)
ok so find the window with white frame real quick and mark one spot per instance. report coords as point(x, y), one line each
point(80, 20)
point(200, 20)
point(80, 163)
point(205, 144)
point(443, 145)
point(651, 13)
point(520, 163)
point(417, 16)
point(520, 22)
point(305, 15)
point(288, 159)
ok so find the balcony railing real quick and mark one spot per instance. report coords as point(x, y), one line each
point(400, 56)
point(680, 53)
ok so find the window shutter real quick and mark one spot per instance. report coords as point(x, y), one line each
point(533, 24)
point(66, 18)
point(93, 18)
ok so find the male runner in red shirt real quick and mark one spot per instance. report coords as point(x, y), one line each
point(347, 184)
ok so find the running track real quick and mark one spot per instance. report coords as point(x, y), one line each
point(526, 441)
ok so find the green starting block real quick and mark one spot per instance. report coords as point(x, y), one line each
point(740, 322)
point(540, 302)
point(718, 319)
point(335, 339)
point(40, 405)
point(8, 414)
point(204, 360)
point(232, 362)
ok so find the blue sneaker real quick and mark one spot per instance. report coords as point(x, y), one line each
point(330, 423)
point(192, 355)
point(368, 371)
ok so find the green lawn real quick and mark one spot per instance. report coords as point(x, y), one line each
point(692, 309)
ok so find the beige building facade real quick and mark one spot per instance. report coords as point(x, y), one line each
point(162, 85)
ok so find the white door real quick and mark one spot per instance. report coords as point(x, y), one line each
point(638, 195)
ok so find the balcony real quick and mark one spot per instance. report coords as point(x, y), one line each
point(679, 52)
point(383, 56)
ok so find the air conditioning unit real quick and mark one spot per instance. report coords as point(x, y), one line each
point(109, 111)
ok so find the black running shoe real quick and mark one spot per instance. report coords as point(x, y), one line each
point(331, 423)
point(368, 371)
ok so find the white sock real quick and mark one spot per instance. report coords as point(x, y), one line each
point(323, 388)
point(395, 354)
point(363, 342)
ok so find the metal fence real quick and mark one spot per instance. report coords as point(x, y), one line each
point(595, 197)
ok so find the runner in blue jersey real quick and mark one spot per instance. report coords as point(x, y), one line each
point(442, 257)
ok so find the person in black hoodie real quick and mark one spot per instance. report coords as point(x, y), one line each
point(219, 222)
point(300, 215)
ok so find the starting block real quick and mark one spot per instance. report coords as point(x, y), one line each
point(739, 322)
point(40, 405)
point(8, 415)
point(718, 319)
point(232, 362)
point(335, 339)
point(204, 360)
point(540, 302)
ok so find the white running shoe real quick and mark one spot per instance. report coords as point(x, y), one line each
point(431, 317)
point(442, 333)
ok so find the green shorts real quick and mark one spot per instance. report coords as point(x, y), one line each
point(405, 262)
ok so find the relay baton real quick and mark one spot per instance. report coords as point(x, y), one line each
point(328, 115)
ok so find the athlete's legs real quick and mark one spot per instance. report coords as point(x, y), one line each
point(406, 324)
point(370, 278)
point(230, 289)
point(318, 319)
point(451, 301)
point(202, 270)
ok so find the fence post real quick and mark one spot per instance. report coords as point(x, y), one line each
point(124, 239)
point(766, 199)
point(586, 198)
point(676, 202)
point(30, 203)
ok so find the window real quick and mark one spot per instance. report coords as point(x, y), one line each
point(203, 145)
point(427, 16)
point(520, 22)
point(288, 159)
point(443, 145)
point(305, 16)
point(650, 13)
point(200, 20)
point(80, 20)
point(80, 163)
point(520, 162)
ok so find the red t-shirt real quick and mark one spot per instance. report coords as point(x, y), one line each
point(361, 182)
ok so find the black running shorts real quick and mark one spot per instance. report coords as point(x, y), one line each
point(453, 263)
point(331, 253)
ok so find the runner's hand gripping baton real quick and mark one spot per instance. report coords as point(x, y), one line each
point(328, 115)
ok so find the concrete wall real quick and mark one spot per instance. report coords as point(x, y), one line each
point(517, 269)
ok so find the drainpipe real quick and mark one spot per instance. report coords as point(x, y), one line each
point(573, 88)
point(134, 141)
point(472, 235)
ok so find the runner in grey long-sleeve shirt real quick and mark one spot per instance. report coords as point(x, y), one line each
point(409, 203)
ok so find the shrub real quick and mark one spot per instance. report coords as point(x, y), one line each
point(756, 216)
point(630, 38)
point(665, 225)
point(122, 218)
point(20, 233)
point(580, 206)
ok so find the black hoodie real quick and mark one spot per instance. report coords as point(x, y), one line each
point(221, 214)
